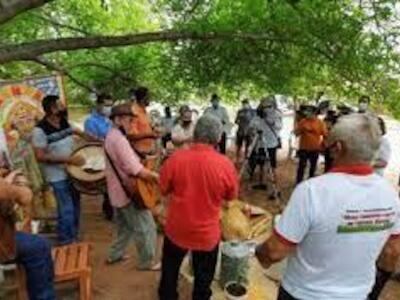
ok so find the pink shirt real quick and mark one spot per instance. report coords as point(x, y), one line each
point(125, 160)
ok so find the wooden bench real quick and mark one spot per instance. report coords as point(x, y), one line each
point(71, 263)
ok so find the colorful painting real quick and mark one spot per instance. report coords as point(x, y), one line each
point(21, 107)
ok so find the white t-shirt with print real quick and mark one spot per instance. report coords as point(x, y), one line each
point(340, 223)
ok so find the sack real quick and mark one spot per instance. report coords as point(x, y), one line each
point(7, 233)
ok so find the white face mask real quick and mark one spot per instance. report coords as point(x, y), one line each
point(107, 110)
point(363, 106)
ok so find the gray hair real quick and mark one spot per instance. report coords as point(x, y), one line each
point(208, 130)
point(361, 135)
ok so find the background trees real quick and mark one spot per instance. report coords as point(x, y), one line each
point(185, 49)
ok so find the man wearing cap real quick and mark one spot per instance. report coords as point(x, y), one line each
point(182, 133)
point(98, 124)
point(311, 131)
point(243, 118)
point(121, 165)
point(221, 114)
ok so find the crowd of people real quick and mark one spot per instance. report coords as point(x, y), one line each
point(340, 231)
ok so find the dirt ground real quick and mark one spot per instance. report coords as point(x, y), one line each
point(124, 282)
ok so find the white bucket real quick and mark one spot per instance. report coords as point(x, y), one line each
point(240, 288)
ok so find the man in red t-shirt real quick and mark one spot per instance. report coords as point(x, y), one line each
point(198, 180)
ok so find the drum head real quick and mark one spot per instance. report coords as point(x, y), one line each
point(93, 170)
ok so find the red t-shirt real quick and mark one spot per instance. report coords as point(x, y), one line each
point(197, 179)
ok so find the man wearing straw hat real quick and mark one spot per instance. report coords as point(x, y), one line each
point(123, 164)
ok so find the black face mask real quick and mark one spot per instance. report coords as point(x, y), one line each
point(63, 113)
point(186, 123)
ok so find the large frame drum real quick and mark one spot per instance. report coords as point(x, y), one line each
point(86, 180)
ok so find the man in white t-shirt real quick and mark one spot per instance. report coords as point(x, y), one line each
point(335, 226)
point(182, 133)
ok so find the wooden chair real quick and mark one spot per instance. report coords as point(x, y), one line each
point(71, 263)
point(14, 280)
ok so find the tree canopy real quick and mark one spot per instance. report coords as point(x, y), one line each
point(186, 49)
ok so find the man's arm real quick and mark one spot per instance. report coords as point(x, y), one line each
point(148, 175)
point(86, 136)
point(43, 157)
point(390, 254)
point(290, 230)
point(274, 250)
point(39, 142)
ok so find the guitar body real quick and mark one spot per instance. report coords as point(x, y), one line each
point(145, 192)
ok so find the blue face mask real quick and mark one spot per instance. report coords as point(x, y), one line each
point(107, 111)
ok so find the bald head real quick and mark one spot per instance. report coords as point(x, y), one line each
point(359, 136)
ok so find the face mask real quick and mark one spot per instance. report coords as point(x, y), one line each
point(186, 123)
point(107, 110)
point(363, 106)
point(62, 113)
point(268, 110)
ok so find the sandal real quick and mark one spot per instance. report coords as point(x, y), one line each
point(123, 258)
point(154, 268)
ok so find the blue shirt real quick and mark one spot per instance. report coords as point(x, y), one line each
point(97, 125)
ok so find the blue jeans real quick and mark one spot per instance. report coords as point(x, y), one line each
point(69, 210)
point(34, 253)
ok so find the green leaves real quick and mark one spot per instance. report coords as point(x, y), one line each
point(345, 48)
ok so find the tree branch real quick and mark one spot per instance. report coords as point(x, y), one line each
point(12, 8)
point(31, 50)
point(54, 67)
point(61, 25)
point(114, 72)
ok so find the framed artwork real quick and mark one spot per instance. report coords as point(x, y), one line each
point(21, 104)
